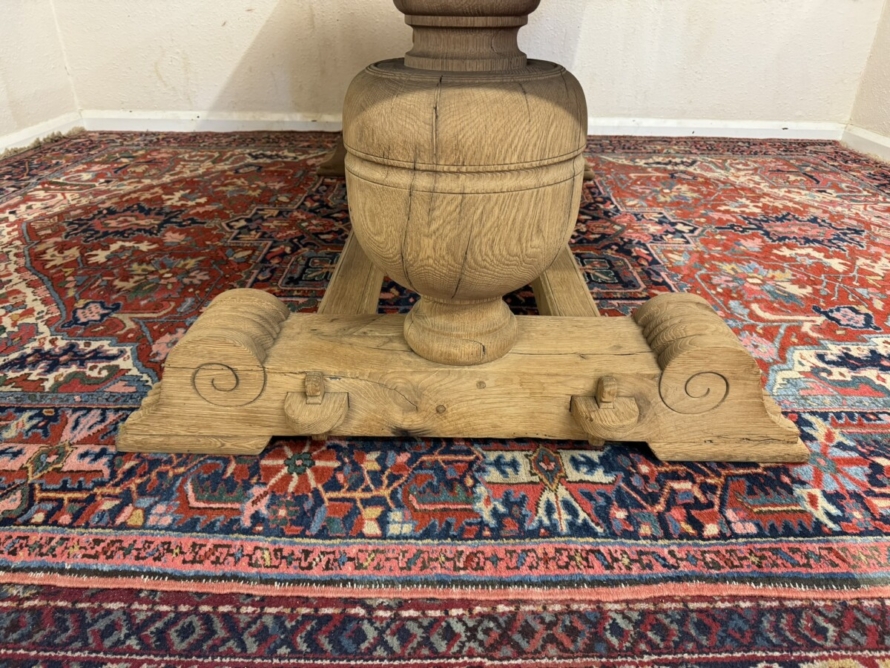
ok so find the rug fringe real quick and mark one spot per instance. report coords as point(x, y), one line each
point(41, 141)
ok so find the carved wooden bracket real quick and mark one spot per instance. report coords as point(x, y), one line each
point(314, 411)
point(608, 416)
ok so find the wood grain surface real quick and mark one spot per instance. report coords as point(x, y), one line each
point(565, 378)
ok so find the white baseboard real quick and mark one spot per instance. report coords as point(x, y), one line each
point(670, 127)
point(189, 121)
point(211, 121)
point(29, 135)
point(865, 141)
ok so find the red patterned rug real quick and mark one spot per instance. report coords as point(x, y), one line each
point(367, 552)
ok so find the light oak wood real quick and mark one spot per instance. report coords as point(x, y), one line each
point(566, 378)
point(315, 420)
point(464, 166)
point(617, 419)
point(466, 36)
point(355, 285)
point(562, 291)
point(335, 163)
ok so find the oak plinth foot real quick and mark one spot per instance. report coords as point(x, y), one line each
point(673, 376)
point(213, 380)
point(145, 431)
point(461, 334)
point(708, 404)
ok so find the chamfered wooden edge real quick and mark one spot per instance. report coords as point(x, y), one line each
point(673, 375)
point(562, 290)
point(354, 288)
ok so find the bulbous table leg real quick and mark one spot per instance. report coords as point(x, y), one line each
point(334, 163)
point(464, 168)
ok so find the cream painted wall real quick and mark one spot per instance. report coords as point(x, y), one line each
point(35, 89)
point(251, 56)
point(872, 110)
point(667, 66)
point(725, 60)
point(789, 60)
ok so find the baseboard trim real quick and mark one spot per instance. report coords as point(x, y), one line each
point(868, 142)
point(193, 121)
point(189, 121)
point(669, 127)
point(26, 137)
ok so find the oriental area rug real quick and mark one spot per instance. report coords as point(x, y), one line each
point(369, 552)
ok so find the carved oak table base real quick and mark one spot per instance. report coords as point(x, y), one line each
point(464, 163)
point(673, 376)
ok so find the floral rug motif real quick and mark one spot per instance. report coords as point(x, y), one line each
point(366, 552)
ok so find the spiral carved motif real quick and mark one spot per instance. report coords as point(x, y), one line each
point(223, 385)
point(690, 340)
point(227, 346)
point(691, 395)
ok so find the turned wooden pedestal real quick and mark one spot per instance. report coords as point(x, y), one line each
point(464, 165)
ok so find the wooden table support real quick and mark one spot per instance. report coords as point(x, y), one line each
point(562, 290)
point(464, 162)
point(673, 375)
point(355, 285)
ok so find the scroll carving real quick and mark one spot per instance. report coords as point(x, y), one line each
point(697, 352)
point(227, 345)
point(223, 385)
